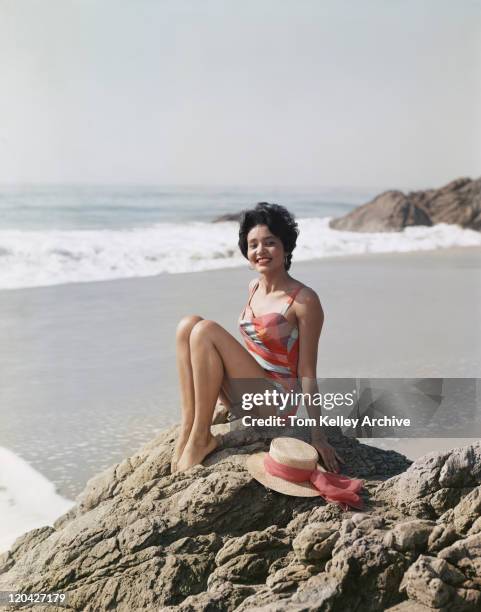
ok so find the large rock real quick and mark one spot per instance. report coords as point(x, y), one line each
point(458, 202)
point(436, 483)
point(411, 536)
point(438, 584)
point(213, 538)
point(229, 217)
point(315, 542)
point(388, 212)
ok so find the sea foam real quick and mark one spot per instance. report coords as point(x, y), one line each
point(50, 257)
point(27, 499)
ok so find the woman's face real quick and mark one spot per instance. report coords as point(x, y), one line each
point(265, 251)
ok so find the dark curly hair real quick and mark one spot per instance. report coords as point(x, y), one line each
point(279, 221)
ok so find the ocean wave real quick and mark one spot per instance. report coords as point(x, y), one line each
point(50, 257)
point(27, 499)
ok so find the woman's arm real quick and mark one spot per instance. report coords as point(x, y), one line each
point(310, 318)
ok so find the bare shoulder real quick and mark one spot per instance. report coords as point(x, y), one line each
point(307, 295)
point(308, 300)
point(252, 284)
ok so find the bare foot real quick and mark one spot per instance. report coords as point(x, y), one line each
point(195, 452)
point(178, 450)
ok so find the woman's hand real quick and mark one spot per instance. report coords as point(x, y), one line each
point(330, 458)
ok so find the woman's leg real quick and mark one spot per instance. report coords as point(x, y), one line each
point(184, 368)
point(214, 354)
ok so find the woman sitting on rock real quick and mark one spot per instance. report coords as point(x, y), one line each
point(280, 325)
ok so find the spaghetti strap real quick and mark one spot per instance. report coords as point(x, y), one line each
point(292, 297)
point(254, 289)
point(251, 293)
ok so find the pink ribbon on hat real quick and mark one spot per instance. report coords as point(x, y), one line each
point(333, 487)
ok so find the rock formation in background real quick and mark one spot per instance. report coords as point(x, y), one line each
point(212, 538)
point(459, 203)
point(229, 217)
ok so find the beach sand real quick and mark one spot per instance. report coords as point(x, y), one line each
point(88, 370)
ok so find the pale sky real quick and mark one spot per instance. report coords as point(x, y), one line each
point(371, 93)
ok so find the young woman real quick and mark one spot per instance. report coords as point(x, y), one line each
point(281, 325)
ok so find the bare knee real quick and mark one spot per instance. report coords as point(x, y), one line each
point(203, 330)
point(185, 327)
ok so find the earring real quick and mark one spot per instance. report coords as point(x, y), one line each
point(286, 260)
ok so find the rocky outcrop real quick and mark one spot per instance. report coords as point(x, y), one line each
point(212, 538)
point(391, 211)
point(442, 484)
point(458, 202)
point(229, 217)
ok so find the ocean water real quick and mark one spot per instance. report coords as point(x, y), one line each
point(28, 500)
point(56, 235)
point(71, 207)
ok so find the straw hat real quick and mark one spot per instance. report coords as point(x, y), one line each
point(290, 452)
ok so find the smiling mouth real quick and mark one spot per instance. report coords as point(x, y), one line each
point(263, 260)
